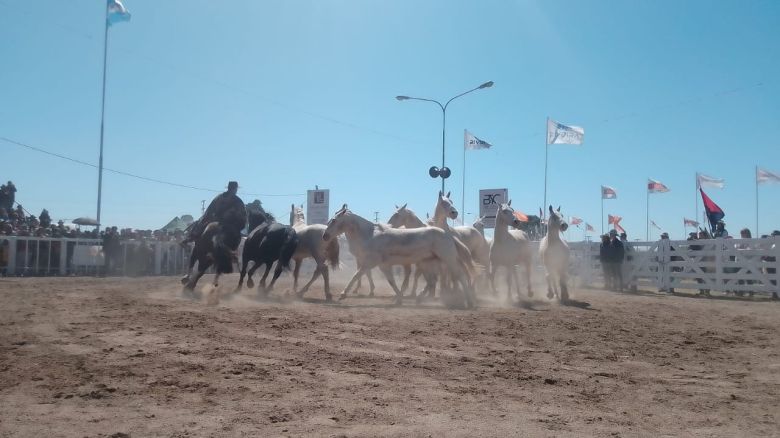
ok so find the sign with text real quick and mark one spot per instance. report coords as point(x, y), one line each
point(317, 208)
point(488, 204)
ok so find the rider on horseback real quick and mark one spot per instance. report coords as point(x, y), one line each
point(227, 209)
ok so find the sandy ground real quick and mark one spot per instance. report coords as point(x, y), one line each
point(131, 357)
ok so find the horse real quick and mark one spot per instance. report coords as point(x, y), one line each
point(268, 242)
point(555, 253)
point(510, 248)
point(311, 244)
point(470, 236)
point(384, 247)
point(215, 245)
point(404, 217)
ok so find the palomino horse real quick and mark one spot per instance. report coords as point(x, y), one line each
point(384, 247)
point(311, 244)
point(510, 248)
point(267, 243)
point(555, 253)
point(470, 236)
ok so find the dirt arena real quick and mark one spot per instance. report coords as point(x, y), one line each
point(124, 357)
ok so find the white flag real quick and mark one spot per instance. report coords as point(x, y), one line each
point(765, 176)
point(708, 181)
point(558, 133)
point(472, 142)
point(608, 192)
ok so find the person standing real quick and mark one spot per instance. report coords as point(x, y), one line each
point(604, 260)
point(616, 256)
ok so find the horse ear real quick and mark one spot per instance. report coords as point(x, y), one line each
point(559, 208)
point(292, 206)
point(441, 193)
point(448, 194)
point(396, 207)
point(344, 207)
point(551, 209)
point(404, 206)
point(509, 203)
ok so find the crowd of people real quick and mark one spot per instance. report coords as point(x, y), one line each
point(616, 254)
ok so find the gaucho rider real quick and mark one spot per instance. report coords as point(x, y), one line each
point(227, 209)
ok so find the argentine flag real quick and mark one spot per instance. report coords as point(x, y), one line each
point(116, 12)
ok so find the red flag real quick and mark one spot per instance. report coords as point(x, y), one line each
point(615, 222)
point(588, 227)
point(608, 192)
point(575, 220)
point(714, 213)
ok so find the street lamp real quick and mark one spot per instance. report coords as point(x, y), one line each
point(444, 172)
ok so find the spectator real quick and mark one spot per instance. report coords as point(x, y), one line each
point(720, 230)
point(11, 193)
point(45, 219)
point(615, 256)
point(604, 260)
point(629, 260)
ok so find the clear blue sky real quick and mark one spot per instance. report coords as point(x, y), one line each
point(284, 95)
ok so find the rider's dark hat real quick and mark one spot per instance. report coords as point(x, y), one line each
point(232, 185)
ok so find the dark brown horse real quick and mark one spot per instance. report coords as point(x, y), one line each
point(267, 243)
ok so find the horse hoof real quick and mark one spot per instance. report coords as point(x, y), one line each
point(185, 279)
point(550, 294)
point(328, 299)
point(342, 296)
point(371, 294)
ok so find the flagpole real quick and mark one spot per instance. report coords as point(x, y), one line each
point(546, 148)
point(696, 196)
point(463, 178)
point(647, 215)
point(102, 119)
point(757, 235)
point(602, 211)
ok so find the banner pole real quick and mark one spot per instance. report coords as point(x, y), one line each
point(647, 216)
point(696, 195)
point(602, 211)
point(757, 235)
point(102, 118)
point(546, 148)
point(463, 178)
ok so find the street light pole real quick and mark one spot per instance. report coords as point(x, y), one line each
point(444, 173)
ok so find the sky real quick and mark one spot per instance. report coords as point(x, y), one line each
point(285, 95)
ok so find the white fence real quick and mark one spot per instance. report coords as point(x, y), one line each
point(726, 265)
point(41, 256)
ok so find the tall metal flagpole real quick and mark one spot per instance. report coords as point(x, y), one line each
point(647, 214)
point(757, 235)
point(546, 149)
point(102, 118)
point(602, 211)
point(463, 188)
point(696, 197)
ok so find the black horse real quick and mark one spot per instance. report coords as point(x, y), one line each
point(268, 242)
point(216, 246)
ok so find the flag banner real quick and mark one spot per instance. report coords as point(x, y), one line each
point(655, 225)
point(714, 213)
point(574, 220)
point(615, 222)
point(708, 181)
point(558, 133)
point(608, 193)
point(764, 176)
point(471, 142)
point(589, 228)
point(690, 223)
point(654, 186)
point(116, 12)
point(521, 216)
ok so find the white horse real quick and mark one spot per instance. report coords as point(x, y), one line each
point(311, 244)
point(404, 217)
point(510, 248)
point(384, 247)
point(470, 236)
point(555, 253)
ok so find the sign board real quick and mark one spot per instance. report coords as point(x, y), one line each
point(317, 208)
point(488, 204)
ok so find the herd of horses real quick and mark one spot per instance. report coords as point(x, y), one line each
point(458, 259)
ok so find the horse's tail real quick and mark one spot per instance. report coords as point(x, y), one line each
point(332, 253)
point(288, 249)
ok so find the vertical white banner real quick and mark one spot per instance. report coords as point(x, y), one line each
point(318, 206)
point(489, 199)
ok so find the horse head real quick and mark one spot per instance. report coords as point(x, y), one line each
point(338, 224)
point(505, 215)
point(444, 206)
point(296, 215)
point(556, 221)
point(479, 224)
